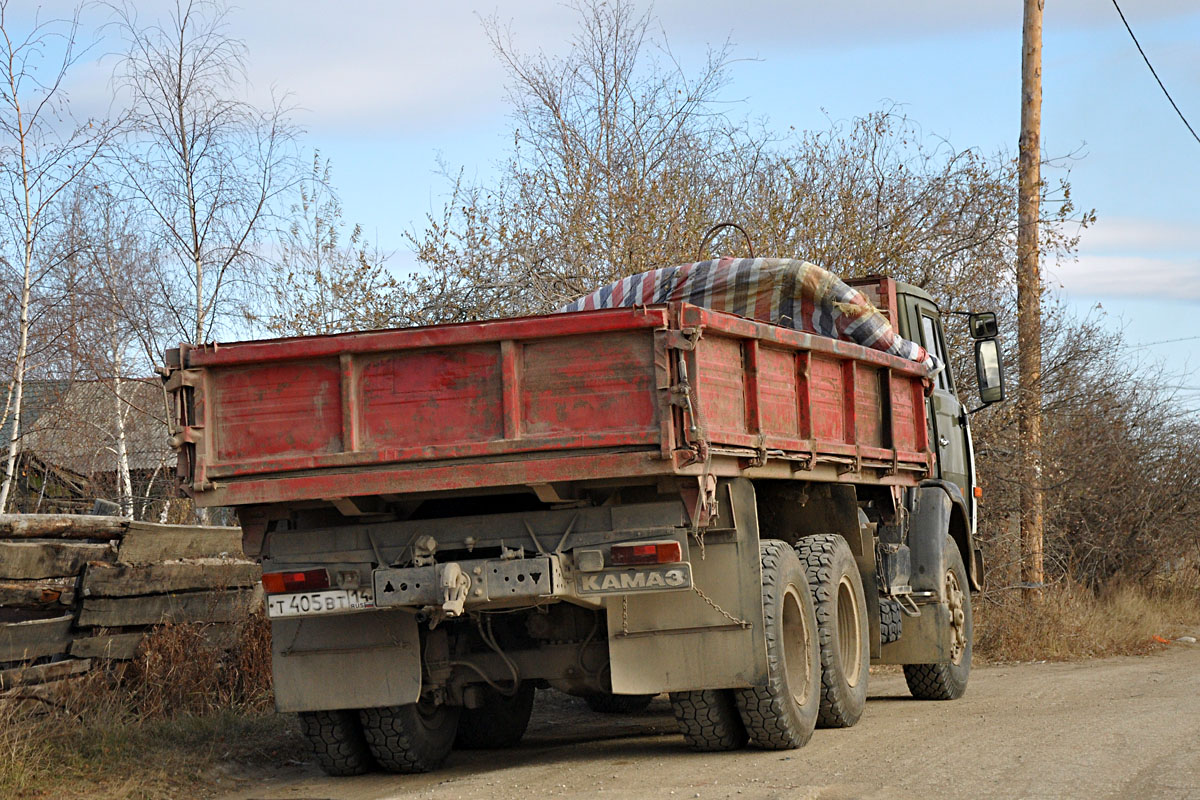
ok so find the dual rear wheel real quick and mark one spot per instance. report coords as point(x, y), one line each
point(782, 714)
point(416, 737)
point(818, 655)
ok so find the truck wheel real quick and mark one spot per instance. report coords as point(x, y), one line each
point(891, 620)
point(337, 741)
point(841, 608)
point(709, 719)
point(411, 738)
point(948, 681)
point(500, 722)
point(782, 714)
point(619, 703)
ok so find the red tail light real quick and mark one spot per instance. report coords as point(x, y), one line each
point(647, 553)
point(308, 581)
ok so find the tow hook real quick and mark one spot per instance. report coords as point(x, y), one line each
point(455, 585)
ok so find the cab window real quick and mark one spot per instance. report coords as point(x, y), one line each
point(933, 343)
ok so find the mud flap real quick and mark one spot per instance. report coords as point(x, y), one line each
point(361, 660)
point(676, 641)
point(926, 639)
point(927, 535)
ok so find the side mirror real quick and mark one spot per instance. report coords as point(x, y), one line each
point(989, 366)
point(983, 325)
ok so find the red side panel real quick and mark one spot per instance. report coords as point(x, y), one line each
point(422, 398)
point(906, 419)
point(777, 391)
point(274, 409)
point(719, 379)
point(868, 408)
point(583, 384)
point(827, 392)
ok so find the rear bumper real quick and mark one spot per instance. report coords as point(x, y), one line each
point(499, 582)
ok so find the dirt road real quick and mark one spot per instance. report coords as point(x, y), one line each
point(1119, 728)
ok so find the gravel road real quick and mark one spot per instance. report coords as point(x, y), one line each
point(1119, 728)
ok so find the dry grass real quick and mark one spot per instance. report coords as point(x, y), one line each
point(158, 727)
point(1072, 622)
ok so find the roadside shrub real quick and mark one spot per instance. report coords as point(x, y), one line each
point(149, 728)
point(1074, 622)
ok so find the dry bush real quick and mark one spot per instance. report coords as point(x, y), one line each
point(1120, 460)
point(148, 728)
point(1073, 622)
point(180, 669)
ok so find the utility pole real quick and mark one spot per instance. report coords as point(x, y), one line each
point(1029, 302)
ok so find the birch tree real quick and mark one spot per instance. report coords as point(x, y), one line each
point(121, 333)
point(205, 165)
point(43, 151)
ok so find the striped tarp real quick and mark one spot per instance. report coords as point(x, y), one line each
point(782, 291)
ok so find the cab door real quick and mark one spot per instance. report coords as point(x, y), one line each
point(947, 418)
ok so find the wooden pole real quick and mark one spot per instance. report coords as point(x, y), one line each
point(1029, 302)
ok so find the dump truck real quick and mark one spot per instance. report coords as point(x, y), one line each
point(615, 504)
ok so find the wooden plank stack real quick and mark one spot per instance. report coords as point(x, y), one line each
point(84, 588)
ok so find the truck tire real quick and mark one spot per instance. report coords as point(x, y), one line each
point(618, 703)
point(841, 608)
point(500, 722)
point(412, 738)
point(782, 714)
point(709, 719)
point(891, 620)
point(337, 741)
point(948, 681)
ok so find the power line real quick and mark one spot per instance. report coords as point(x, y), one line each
point(1141, 345)
point(1155, 74)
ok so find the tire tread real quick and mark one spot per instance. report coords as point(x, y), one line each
point(841, 707)
point(393, 743)
point(337, 741)
point(709, 720)
point(765, 709)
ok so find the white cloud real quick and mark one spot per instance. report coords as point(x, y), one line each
point(1141, 235)
point(1127, 257)
point(1130, 276)
point(387, 68)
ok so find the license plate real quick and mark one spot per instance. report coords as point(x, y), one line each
point(624, 581)
point(329, 601)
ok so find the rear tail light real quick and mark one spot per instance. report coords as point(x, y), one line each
point(647, 553)
point(307, 581)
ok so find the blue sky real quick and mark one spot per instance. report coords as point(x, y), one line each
point(388, 88)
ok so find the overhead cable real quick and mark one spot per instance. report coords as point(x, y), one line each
point(1155, 74)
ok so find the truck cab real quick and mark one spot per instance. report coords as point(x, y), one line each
point(916, 316)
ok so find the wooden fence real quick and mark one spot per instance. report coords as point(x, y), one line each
point(78, 588)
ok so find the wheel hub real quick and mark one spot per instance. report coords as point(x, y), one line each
point(958, 618)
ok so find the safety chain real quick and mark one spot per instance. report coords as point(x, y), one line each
point(741, 623)
point(624, 615)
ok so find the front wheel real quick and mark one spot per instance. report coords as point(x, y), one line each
point(783, 714)
point(948, 680)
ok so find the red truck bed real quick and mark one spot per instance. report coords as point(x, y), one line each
point(592, 395)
